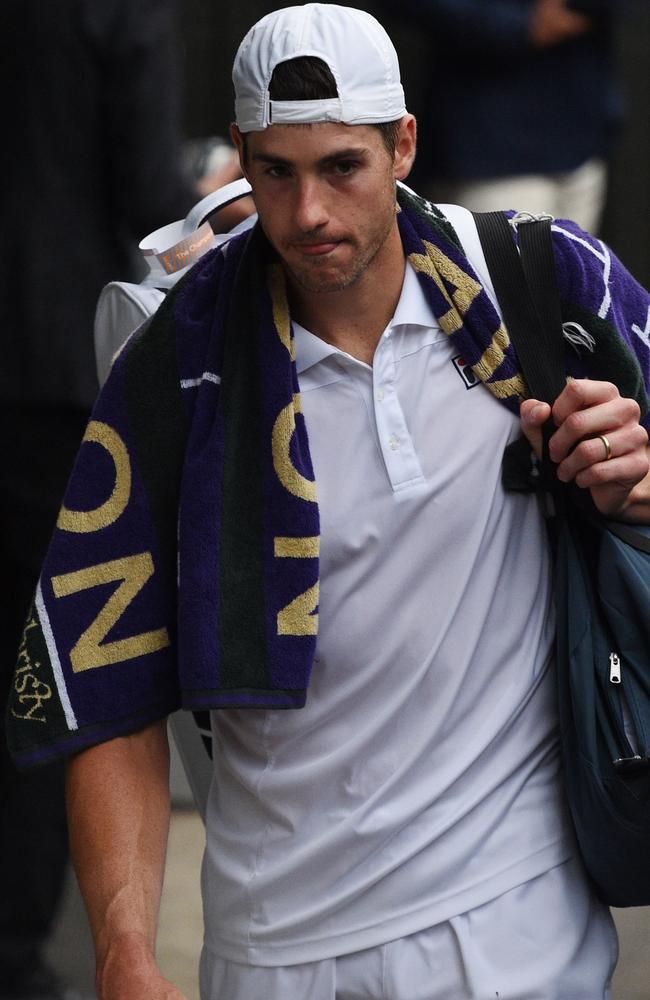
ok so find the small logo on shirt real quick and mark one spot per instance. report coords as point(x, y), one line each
point(465, 371)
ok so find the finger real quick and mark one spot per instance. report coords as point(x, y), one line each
point(534, 415)
point(578, 394)
point(604, 418)
point(534, 412)
point(618, 473)
point(593, 452)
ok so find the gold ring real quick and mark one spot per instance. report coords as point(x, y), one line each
point(608, 447)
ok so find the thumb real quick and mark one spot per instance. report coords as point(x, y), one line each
point(533, 415)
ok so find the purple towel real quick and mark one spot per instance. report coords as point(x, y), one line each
point(184, 566)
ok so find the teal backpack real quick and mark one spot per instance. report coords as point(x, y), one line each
point(602, 594)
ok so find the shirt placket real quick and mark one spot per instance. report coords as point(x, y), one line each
point(401, 461)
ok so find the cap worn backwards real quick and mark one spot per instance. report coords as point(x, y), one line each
point(354, 45)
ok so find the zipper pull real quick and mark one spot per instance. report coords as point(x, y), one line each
point(614, 668)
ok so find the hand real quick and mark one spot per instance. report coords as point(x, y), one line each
point(139, 987)
point(129, 972)
point(584, 410)
point(552, 22)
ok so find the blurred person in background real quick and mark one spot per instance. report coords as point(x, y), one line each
point(92, 111)
point(520, 105)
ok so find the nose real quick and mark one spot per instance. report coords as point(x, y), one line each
point(310, 210)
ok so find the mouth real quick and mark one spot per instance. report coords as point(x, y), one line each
point(317, 249)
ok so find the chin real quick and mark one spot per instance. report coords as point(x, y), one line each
point(327, 276)
point(317, 283)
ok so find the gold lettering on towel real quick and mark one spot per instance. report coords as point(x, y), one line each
point(90, 650)
point(31, 693)
point(506, 388)
point(281, 317)
point(437, 266)
point(82, 521)
point(307, 547)
point(283, 431)
point(298, 617)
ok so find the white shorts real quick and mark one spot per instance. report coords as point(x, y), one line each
point(548, 939)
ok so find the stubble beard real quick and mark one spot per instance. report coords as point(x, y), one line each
point(309, 280)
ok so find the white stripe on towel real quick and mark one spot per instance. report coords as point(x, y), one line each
point(54, 658)
point(190, 383)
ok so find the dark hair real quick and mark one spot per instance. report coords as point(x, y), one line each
point(308, 78)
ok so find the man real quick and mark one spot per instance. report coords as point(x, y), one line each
point(403, 834)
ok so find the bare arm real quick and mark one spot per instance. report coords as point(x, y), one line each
point(118, 811)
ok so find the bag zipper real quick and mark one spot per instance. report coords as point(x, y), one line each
point(634, 759)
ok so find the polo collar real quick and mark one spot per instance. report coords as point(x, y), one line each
point(412, 309)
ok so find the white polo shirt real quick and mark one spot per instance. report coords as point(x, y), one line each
point(422, 777)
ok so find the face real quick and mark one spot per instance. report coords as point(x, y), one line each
point(325, 195)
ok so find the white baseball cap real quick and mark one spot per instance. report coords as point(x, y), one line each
point(351, 42)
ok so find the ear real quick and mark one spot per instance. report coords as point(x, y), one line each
point(405, 147)
point(238, 143)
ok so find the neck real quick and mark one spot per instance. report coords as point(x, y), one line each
point(353, 318)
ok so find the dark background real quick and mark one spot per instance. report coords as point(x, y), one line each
point(211, 32)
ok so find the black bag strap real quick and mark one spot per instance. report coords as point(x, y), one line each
point(527, 290)
point(528, 294)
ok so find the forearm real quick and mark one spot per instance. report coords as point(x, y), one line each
point(118, 811)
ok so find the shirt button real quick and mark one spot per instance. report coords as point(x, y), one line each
point(380, 394)
point(394, 442)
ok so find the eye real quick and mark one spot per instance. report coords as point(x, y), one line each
point(277, 170)
point(345, 167)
